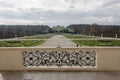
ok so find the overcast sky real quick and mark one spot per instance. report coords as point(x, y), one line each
point(59, 12)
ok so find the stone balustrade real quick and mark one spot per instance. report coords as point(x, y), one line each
point(95, 58)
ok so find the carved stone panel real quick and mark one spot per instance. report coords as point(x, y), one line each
point(59, 58)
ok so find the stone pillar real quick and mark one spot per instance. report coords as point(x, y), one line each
point(101, 35)
point(89, 34)
point(116, 36)
point(15, 36)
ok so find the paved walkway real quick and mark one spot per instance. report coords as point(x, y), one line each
point(58, 40)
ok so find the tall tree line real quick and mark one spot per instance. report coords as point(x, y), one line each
point(11, 31)
point(96, 30)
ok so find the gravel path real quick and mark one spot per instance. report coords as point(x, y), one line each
point(58, 40)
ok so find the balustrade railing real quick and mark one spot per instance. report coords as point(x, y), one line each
point(96, 59)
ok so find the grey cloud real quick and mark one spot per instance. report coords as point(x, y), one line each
point(4, 4)
point(111, 2)
point(108, 13)
point(21, 14)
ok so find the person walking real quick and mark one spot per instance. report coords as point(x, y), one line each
point(77, 45)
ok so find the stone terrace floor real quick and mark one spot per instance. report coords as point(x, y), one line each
point(37, 75)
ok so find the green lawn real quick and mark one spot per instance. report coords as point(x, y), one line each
point(22, 43)
point(77, 36)
point(39, 37)
point(97, 42)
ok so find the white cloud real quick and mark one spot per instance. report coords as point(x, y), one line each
point(58, 5)
point(83, 5)
point(100, 20)
point(20, 21)
point(59, 11)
